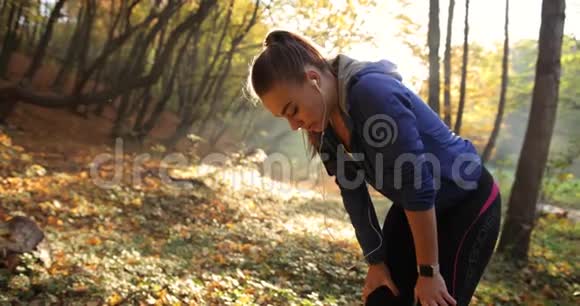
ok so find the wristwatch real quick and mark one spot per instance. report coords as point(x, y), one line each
point(427, 270)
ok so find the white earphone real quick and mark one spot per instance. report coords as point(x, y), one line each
point(316, 84)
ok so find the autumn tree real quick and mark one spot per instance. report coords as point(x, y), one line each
point(433, 38)
point(502, 96)
point(447, 67)
point(460, 109)
point(521, 214)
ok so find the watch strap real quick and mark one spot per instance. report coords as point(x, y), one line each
point(427, 270)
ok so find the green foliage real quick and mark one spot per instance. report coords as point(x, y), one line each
point(559, 185)
point(551, 276)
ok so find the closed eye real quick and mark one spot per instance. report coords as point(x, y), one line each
point(295, 111)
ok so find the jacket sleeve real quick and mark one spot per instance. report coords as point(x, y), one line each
point(389, 128)
point(357, 202)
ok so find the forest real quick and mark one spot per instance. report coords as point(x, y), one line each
point(137, 169)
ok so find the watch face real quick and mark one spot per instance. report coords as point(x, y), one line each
point(426, 271)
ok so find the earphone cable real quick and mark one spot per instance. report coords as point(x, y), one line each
point(321, 141)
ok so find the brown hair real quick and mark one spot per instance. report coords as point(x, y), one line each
point(283, 59)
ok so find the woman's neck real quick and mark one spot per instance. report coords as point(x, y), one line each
point(332, 98)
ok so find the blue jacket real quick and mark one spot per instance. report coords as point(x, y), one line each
point(399, 146)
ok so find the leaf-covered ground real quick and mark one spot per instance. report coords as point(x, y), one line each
point(229, 237)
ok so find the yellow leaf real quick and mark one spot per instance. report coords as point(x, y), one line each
point(94, 241)
point(219, 258)
point(52, 220)
point(5, 140)
point(565, 176)
point(137, 202)
point(114, 299)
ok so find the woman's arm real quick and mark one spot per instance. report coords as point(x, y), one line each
point(358, 204)
point(380, 96)
point(400, 147)
point(424, 228)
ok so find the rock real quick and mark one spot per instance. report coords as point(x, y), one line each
point(19, 234)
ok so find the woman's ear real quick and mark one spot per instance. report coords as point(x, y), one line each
point(313, 76)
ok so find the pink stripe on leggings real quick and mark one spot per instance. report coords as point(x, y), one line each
point(490, 199)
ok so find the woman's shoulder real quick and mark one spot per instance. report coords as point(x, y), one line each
point(373, 91)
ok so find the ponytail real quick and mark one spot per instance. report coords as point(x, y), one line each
point(282, 59)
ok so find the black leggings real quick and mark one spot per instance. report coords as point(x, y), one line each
point(467, 234)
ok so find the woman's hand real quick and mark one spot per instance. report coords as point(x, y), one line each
point(431, 291)
point(378, 275)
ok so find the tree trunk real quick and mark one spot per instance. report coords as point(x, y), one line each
point(33, 32)
point(147, 96)
point(86, 35)
point(218, 91)
point(143, 108)
point(9, 43)
point(165, 54)
point(132, 67)
point(3, 7)
point(504, 83)
point(27, 95)
point(113, 44)
point(118, 126)
point(71, 53)
point(461, 106)
point(447, 67)
point(83, 54)
point(188, 115)
point(98, 80)
point(208, 89)
point(167, 91)
point(521, 214)
point(44, 40)
point(433, 41)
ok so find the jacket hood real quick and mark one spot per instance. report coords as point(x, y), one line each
point(346, 68)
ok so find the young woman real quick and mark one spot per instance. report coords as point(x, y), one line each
point(367, 127)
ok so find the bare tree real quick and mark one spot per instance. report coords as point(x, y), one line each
point(218, 92)
point(447, 67)
point(72, 50)
point(504, 83)
point(433, 38)
point(27, 95)
point(521, 213)
point(461, 106)
point(44, 40)
point(11, 36)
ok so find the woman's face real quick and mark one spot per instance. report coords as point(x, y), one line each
point(301, 105)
